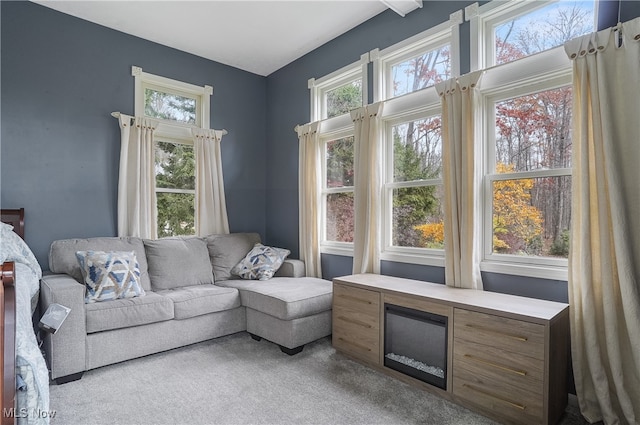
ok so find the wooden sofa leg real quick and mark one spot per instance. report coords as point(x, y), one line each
point(255, 337)
point(291, 351)
point(69, 378)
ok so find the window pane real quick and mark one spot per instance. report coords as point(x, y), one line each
point(533, 132)
point(532, 216)
point(421, 71)
point(418, 217)
point(543, 29)
point(339, 217)
point(343, 99)
point(169, 106)
point(417, 150)
point(340, 162)
point(175, 166)
point(175, 214)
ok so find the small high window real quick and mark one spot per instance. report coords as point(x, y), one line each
point(339, 92)
point(170, 106)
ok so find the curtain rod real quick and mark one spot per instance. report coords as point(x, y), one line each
point(117, 115)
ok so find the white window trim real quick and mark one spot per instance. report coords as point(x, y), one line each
point(319, 87)
point(445, 33)
point(166, 128)
point(389, 252)
point(542, 71)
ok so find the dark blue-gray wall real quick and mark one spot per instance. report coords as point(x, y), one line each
point(288, 105)
point(61, 78)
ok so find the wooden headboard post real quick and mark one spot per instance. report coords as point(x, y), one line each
point(7, 342)
point(14, 217)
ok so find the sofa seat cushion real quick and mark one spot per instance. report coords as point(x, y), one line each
point(191, 301)
point(284, 297)
point(128, 312)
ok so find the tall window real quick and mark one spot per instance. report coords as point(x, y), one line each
point(337, 192)
point(332, 98)
point(413, 186)
point(526, 107)
point(179, 106)
point(175, 187)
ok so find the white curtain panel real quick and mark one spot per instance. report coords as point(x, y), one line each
point(604, 266)
point(367, 192)
point(211, 205)
point(461, 181)
point(137, 179)
point(309, 195)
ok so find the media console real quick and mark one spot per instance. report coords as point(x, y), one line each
point(501, 355)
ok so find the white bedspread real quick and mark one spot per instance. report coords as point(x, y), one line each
point(32, 406)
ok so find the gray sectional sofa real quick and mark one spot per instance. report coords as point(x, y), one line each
point(190, 296)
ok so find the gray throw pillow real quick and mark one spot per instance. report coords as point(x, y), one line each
point(178, 262)
point(227, 250)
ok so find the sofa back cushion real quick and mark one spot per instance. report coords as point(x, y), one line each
point(178, 262)
point(225, 251)
point(62, 255)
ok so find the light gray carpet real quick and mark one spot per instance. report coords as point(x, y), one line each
point(236, 380)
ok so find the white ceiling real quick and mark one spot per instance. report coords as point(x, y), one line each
point(253, 35)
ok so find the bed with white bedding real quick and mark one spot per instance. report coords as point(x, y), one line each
point(32, 377)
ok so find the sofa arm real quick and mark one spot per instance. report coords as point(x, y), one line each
point(66, 349)
point(291, 268)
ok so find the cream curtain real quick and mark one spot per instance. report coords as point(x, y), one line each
point(461, 182)
point(367, 188)
point(309, 195)
point(211, 207)
point(604, 266)
point(137, 180)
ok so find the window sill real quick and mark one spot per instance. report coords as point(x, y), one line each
point(529, 270)
point(413, 258)
point(345, 251)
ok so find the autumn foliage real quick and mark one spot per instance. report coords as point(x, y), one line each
point(517, 224)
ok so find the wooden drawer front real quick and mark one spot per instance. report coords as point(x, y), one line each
point(507, 401)
point(356, 322)
point(499, 367)
point(509, 334)
point(356, 299)
point(351, 339)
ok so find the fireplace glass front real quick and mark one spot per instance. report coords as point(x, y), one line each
point(415, 343)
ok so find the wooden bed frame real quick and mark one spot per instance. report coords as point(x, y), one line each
point(14, 217)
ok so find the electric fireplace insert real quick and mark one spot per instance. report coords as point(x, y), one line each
point(415, 343)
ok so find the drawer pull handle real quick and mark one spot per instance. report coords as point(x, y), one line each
point(355, 322)
point(496, 365)
point(489, 394)
point(485, 329)
point(352, 298)
point(355, 344)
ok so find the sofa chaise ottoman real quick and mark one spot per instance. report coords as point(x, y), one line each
point(190, 295)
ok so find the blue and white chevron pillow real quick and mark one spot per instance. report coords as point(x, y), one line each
point(110, 275)
point(261, 263)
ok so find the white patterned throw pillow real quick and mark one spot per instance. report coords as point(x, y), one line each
point(261, 263)
point(110, 275)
